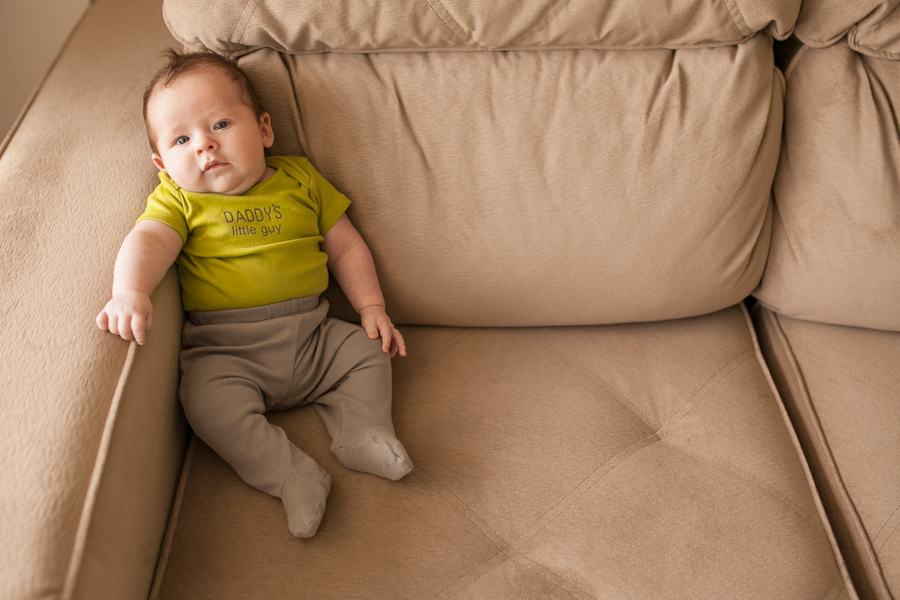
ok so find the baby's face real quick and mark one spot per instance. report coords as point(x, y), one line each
point(207, 139)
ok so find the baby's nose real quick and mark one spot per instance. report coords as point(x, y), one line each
point(204, 145)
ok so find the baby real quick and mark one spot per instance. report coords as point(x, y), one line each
point(252, 237)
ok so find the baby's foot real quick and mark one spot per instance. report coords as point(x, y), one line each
point(379, 453)
point(304, 502)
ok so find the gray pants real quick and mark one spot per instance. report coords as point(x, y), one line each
point(238, 364)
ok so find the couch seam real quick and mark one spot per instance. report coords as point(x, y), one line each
point(522, 539)
point(804, 463)
point(853, 34)
point(514, 548)
point(470, 48)
point(832, 591)
point(447, 345)
point(447, 25)
point(550, 575)
point(751, 478)
point(648, 422)
point(738, 17)
point(556, 9)
point(548, 17)
point(246, 22)
point(296, 113)
point(500, 548)
point(87, 511)
point(507, 556)
point(690, 405)
point(163, 561)
point(893, 530)
point(818, 42)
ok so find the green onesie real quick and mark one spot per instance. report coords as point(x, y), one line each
point(258, 248)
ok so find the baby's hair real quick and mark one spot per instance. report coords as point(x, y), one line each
point(182, 64)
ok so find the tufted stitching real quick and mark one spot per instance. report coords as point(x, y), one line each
point(455, 501)
point(455, 26)
point(704, 391)
point(469, 577)
point(245, 21)
point(895, 519)
point(753, 479)
point(599, 474)
point(599, 381)
point(548, 17)
point(440, 349)
point(564, 583)
point(737, 17)
point(837, 588)
point(586, 485)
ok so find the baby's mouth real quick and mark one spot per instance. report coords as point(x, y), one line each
point(212, 165)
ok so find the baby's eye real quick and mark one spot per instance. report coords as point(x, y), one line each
point(221, 125)
point(181, 140)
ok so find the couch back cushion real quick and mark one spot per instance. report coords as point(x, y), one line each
point(872, 27)
point(240, 26)
point(522, 188)
point(835, 254)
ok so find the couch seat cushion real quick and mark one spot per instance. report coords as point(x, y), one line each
point(840, 385)
point(643, 460)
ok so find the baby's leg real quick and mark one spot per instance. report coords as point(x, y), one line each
point(227, 412)
point(357, 411)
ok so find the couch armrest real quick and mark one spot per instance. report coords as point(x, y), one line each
point(91, 435)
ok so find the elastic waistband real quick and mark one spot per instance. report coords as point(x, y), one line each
point(254, 313)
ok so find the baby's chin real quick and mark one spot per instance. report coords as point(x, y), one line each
point(220, 185)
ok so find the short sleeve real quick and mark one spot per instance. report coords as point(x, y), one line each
point(332, 203)
point(166, 205)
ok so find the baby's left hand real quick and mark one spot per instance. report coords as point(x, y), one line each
point(376, 323)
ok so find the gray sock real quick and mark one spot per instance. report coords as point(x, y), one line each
point(379, 453)
point(304, 502)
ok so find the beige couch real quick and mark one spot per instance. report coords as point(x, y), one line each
point(567, 203)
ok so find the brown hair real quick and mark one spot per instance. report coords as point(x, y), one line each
point(182, 64)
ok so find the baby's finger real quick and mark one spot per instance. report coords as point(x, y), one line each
point(138, 327)
point(125, 328)
point(400, 343)
point(113, 324)
point(102, 320)
point(371, 329)
point(385, 329)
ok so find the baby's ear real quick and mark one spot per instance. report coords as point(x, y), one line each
point(265, 128)
point(157, 161)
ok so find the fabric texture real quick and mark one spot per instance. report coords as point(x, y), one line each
point(242, 26)
point(624, 461)
point(260, 247)
point(840, 386)
point(473, 176)
point(872, 27)
point(836, 232)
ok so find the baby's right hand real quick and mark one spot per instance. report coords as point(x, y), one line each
point(128, 315)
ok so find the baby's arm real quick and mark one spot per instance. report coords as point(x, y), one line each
point(145, 256)
point(352, 266)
